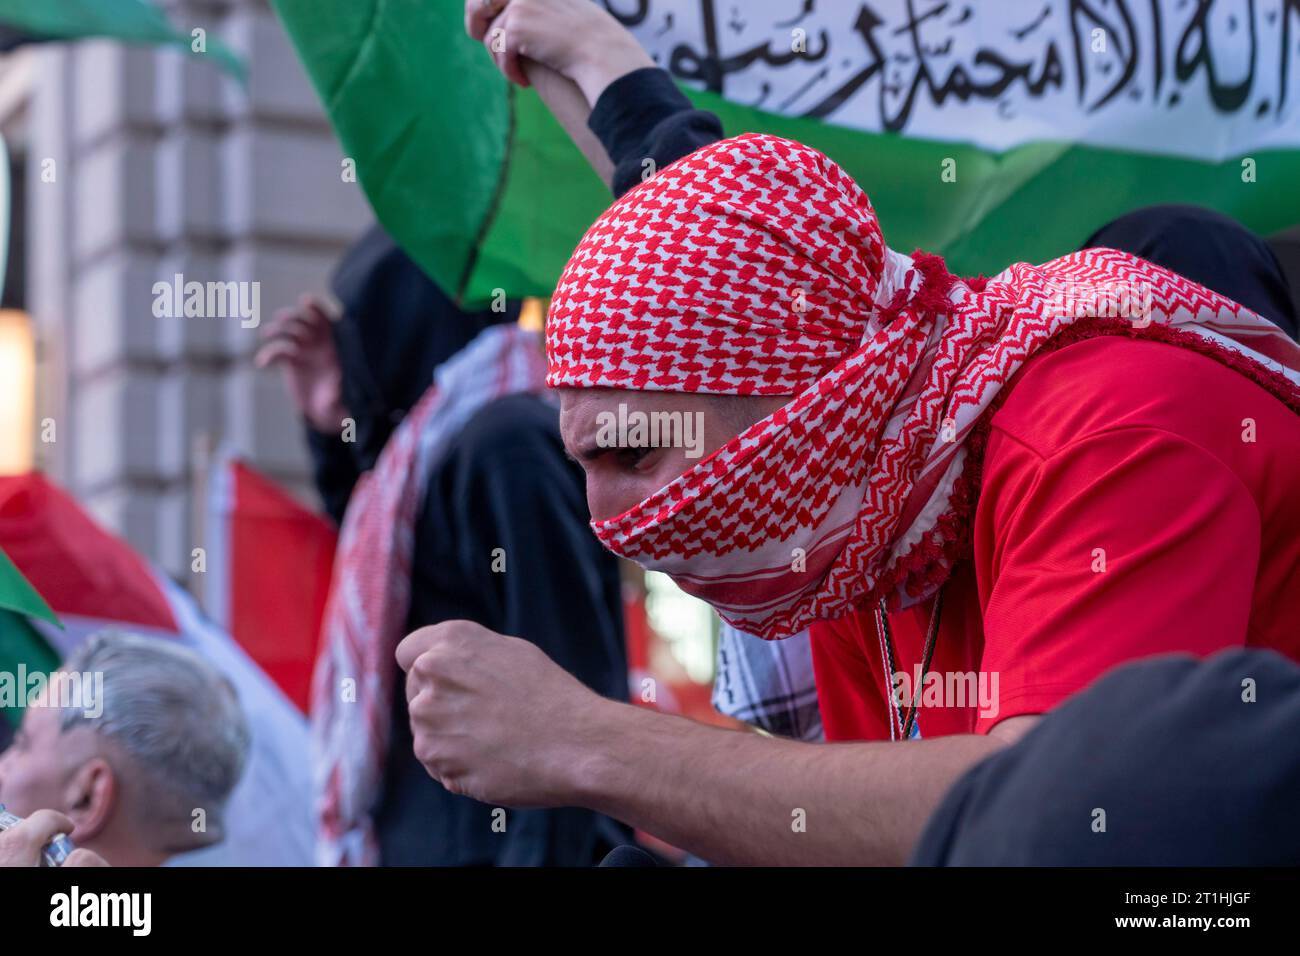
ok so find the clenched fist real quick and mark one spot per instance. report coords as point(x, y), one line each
point(495, 719)
point(578, 39)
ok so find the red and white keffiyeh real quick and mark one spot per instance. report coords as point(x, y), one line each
point(370, 594)
point(756, 266)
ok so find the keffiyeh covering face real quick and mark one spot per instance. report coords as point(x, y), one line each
point(756, 266)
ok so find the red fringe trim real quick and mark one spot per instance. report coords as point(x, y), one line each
point(931, 296)
point(936, 283)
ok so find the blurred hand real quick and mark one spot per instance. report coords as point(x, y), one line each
point(22, 845)
point(493, 717)
point(299, 341)
point(576, 38)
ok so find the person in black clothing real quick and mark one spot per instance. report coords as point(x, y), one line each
point(1171, 761)
point(503, 482)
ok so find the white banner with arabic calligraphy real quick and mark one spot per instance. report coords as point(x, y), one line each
point(988, 131)
point(1205, 79)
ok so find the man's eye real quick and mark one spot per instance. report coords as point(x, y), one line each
point(629, 458)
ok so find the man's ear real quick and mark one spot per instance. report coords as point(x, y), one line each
point(91, 797)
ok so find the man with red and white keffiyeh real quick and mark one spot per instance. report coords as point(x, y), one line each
point(1014, 483)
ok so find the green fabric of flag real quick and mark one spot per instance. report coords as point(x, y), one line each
point(22, 649)
point(1002, 134)
point(133, 21)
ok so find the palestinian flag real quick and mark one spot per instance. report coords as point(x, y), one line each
point(95, 581)
point(986, 131)
point(269, 561)
point(20, 643)
point(18, 596)
point(133, 21)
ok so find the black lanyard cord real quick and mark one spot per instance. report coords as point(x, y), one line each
point(908, 718)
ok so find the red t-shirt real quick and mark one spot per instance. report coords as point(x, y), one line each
point(1123, 512)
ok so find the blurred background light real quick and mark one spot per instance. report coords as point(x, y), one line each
point(688, 625)
point(17, 392)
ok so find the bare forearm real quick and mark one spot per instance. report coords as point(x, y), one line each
point(593, 75)
point(737, 798)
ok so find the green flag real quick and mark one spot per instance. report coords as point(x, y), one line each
point(988, 132)
point(443, 147)
point(22, 650)
point(17, 595)
point(134, 21)
point(21, 647)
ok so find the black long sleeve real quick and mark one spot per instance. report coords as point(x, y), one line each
point(643, 115)
point(334, 471)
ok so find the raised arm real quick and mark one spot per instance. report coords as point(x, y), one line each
point(640, 120)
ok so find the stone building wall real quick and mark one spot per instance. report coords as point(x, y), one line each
point(164, 165)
